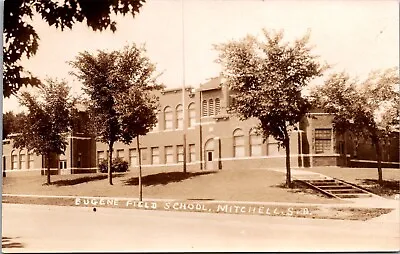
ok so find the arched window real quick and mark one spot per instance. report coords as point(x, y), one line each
point(217, 106)
point(168, 118)
point(22, 159)
point(211, 107)
point(30, 160)
point(255, 143)
point(238, 143)
point(205, 111)
point(192, 114)
point(14, 160)
point(179, 117)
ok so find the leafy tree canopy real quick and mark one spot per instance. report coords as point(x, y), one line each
point(366, 110)
point(48, 120)
point(119, 85)
point(21, 39)
point(267, 77)
point(11, 123)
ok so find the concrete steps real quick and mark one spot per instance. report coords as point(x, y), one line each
point(336, 188)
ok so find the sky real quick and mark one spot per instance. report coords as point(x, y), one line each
point(352, 36)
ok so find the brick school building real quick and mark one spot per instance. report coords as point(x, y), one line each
point(215, 140)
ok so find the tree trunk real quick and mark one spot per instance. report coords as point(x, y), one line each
point(379, 160)
point(109, 162)
point(48, 168)
point(140, 169)
point(286, 144)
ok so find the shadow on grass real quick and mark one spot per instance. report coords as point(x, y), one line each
point(84, 179)
point(8, 242)
point(388, 187)
point(164, 178)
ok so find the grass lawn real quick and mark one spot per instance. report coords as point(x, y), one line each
point(229, 185)
point(366, 177)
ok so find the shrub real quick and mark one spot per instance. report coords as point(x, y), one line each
point(118, 165)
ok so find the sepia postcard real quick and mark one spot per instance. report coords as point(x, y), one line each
point(200, 126)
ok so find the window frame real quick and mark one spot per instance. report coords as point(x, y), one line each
point(323, 142)
point(239, 150)
point(254, 136)
point(211, 107)
point(204, 108)
point(133, 154)
point(217, 110)
point(168, 118)
point(192, 114)
point(14, 160)
point(192, 152)
point(170, 155)
point(179, 117)
point(180, 154)
point(155, 155)
point(22, 159)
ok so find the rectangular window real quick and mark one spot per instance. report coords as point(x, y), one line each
point(14, 161)
point(211, 107)
point(323, 140)
point(204, 107)
point(30, 160)
point(120, 153)
point(217, 106)
point(169, 154)
point(143, 155)
point(133, 161)
point(179, 153)
point(155, 155)
point(192, 153)
point(62, 164)
point(100, 157)
point(22, 164)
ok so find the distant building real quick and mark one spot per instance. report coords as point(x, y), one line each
point(215, 140)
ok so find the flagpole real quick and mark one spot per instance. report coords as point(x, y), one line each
point(183, 90)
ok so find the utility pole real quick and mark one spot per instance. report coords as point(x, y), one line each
point(1, 87)
point(183, 90)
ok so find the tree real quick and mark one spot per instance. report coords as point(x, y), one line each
point(267, 77)
point(366, 110)
point(119, 85)
point(21, 39)
point(45, 126)
point(11, 123)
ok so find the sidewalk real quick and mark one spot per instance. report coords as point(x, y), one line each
point(367, 202)
point(300, 174)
